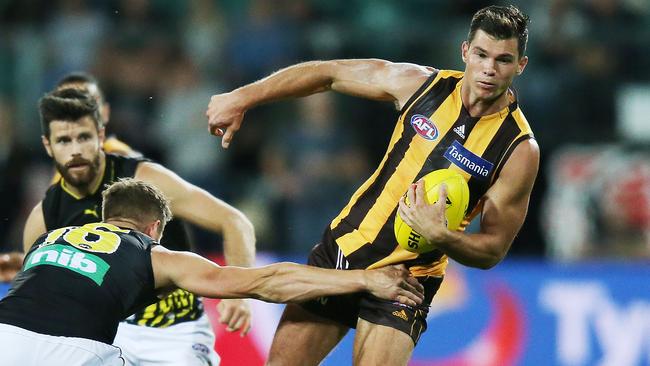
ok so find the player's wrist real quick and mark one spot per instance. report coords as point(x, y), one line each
point(442, 237)
point(245, 98)
point(364, 280)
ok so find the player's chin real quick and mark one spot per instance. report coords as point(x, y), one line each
point(488, 94)
point(79, 180)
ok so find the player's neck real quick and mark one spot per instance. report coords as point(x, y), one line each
point(479, 107)
point(127, 223)
point(124, 223)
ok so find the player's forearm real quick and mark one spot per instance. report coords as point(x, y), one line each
point(239, 241)
point(473, 250)
point(290, 282)
point(295, 81)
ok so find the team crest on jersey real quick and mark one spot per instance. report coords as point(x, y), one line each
point(424, 127)
point(468, 161)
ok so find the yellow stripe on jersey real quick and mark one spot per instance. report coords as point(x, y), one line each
point(485, 129)
point(435, 270)
point(355, 197)
point(406, 171)
point(522, 122)
point(114, 146)
point(397, 133)
point(400, 255)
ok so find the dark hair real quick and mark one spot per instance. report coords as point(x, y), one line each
point(67, 105)
point(501, 22)
point(80, 77)
point(136, 200)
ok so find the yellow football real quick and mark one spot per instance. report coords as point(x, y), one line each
point(457, 202)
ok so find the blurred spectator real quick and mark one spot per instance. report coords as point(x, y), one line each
point(131, 65)
point(180, 125)
point(599, 204)
point(261, 42)
point(204, 35)
point(311, 168)
point(591, 46)
point(74, 35)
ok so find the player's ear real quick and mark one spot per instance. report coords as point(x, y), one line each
point(522, 64)
point(464, 48)
point(46, 145)
point(153, 230)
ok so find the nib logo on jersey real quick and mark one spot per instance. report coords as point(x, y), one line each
point(424, 127)
point(468, 161)
point(85, 264)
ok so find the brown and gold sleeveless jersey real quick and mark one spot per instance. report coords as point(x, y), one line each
point(434, 131)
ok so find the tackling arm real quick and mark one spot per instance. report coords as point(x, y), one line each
point(279, 282)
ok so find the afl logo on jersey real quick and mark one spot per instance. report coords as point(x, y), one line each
point(424, 127)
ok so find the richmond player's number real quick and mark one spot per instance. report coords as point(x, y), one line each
point(97, 237)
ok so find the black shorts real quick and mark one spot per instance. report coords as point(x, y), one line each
point(346, 309)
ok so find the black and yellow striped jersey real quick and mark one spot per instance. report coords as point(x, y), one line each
point(62, 208)
point(434, 131)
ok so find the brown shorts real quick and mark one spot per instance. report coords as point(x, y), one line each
point(346, 309)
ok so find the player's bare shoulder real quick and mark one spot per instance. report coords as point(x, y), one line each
point(407, 79)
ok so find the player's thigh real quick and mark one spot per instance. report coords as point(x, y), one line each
point(381, 345)
point(303, 338)
point(388, 331)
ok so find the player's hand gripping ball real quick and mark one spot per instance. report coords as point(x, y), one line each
point(457, 202)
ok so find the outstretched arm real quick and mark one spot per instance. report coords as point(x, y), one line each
point(366, 78)
point(198, 207)
point(280, 282)
point(505, 206)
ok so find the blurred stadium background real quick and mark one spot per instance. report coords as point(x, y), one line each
point(573, 290)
